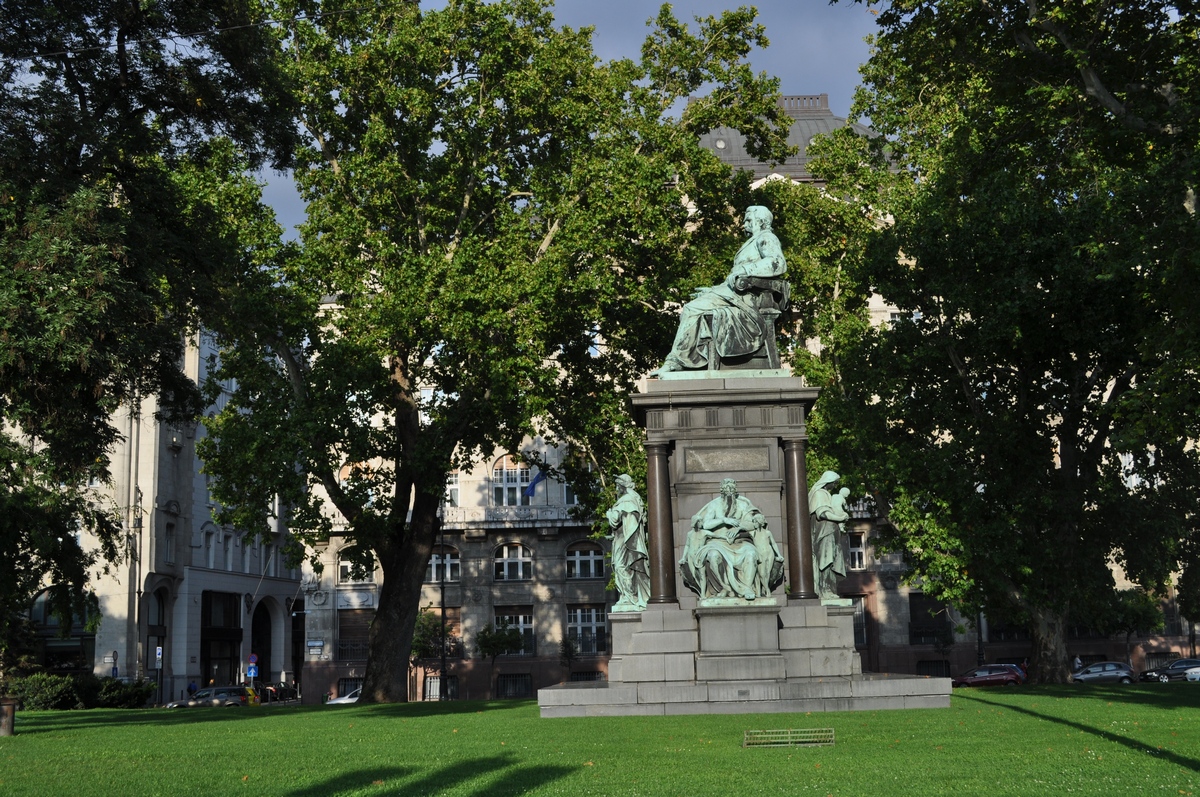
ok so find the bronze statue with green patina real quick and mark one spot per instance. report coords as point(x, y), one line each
point(733, 324)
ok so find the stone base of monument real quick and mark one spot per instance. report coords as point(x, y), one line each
point(764, 657)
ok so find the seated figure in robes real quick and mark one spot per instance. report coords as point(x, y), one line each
point(726, 321)
point(728, 542)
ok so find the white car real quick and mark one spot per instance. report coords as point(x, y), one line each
point(1192, 674)
point(350, 698)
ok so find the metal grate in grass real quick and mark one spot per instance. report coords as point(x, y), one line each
point(791, 737)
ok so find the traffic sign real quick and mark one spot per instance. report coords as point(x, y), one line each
point(252, 671)
point(254, 658)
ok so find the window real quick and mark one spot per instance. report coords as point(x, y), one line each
point(209, 552)
point(937, 668)
point(860, 622)
point(858, 553)
point(444, 559)
point(347, 685)
point(514, 562)
point(245, 557)
point(587, 675)
point(520, 618)
point(585, 560)
point(270, 560)
point(227, 548)
point(452, 489)
point(509, 482)
point(514, 685)
point(354, 629)
point(433, 687)
point(929, 621)
point(349, 573)
point(586, 628)
point(169, 543)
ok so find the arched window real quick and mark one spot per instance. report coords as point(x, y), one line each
point(348, 573)
point(444, 558)
point(585, 560)
point(514, 562)
point(510, 482)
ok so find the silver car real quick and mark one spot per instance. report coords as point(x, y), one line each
point(1105, 672)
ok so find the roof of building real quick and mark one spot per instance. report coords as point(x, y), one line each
point(810, 116)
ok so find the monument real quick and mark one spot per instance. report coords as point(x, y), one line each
point(734, 621)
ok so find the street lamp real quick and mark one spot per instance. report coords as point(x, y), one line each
point(444, 679)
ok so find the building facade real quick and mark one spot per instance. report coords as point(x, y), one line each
point(191, 600)
point(512, 552)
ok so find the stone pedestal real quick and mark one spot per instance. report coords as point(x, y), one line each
point(786, 652)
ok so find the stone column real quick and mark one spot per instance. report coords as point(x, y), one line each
point(801, 581)
point(662, 536)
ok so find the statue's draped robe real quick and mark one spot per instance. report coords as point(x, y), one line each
point(828, 560)
point(723, 559)
point(630, 559)
point(722, 321)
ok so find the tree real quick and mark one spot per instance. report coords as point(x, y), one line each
point(118, 127)
point(497, 640)
point(495, 222)
point(1026, 419)
point(568, 652)
point(427, 636)
point(1132, 611)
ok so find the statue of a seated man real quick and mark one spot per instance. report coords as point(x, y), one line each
point(725, 321)
point(730, 552)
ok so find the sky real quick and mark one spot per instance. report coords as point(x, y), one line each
point(816, 48)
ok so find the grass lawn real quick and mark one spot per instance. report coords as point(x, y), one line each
point(1137, 740)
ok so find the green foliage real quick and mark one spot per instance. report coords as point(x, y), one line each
point(43, 691)
point(568, 652)
point(427, 635)
point(495, 225)
point(497, 640)
point(1027, 417)
point(113, 237)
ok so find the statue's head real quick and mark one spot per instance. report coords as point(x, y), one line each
point(827, 478)
point(758, 218)
point(624, 482)
point(728, 487)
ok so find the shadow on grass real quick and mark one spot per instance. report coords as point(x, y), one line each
point(1132, 744)
point(517, 780)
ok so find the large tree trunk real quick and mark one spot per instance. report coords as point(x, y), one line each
point(391, 636)
point(1049, 630)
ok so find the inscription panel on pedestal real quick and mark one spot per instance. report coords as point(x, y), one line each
point(723, 460)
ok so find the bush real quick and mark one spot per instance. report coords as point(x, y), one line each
point(117, 694)
point(44, 691)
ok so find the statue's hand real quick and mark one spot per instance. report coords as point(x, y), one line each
point(700, 292)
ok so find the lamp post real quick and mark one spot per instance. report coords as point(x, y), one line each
point(444, 679)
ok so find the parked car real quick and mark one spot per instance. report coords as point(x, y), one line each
point(1193, 674)
point(273, 693)
point(350, 698)
point(989, 675)
point(232, 696)
point(1016, 668)
point(1104, 672)
point(1174, 671)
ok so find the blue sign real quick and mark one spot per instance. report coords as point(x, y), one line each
point(252, 671)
